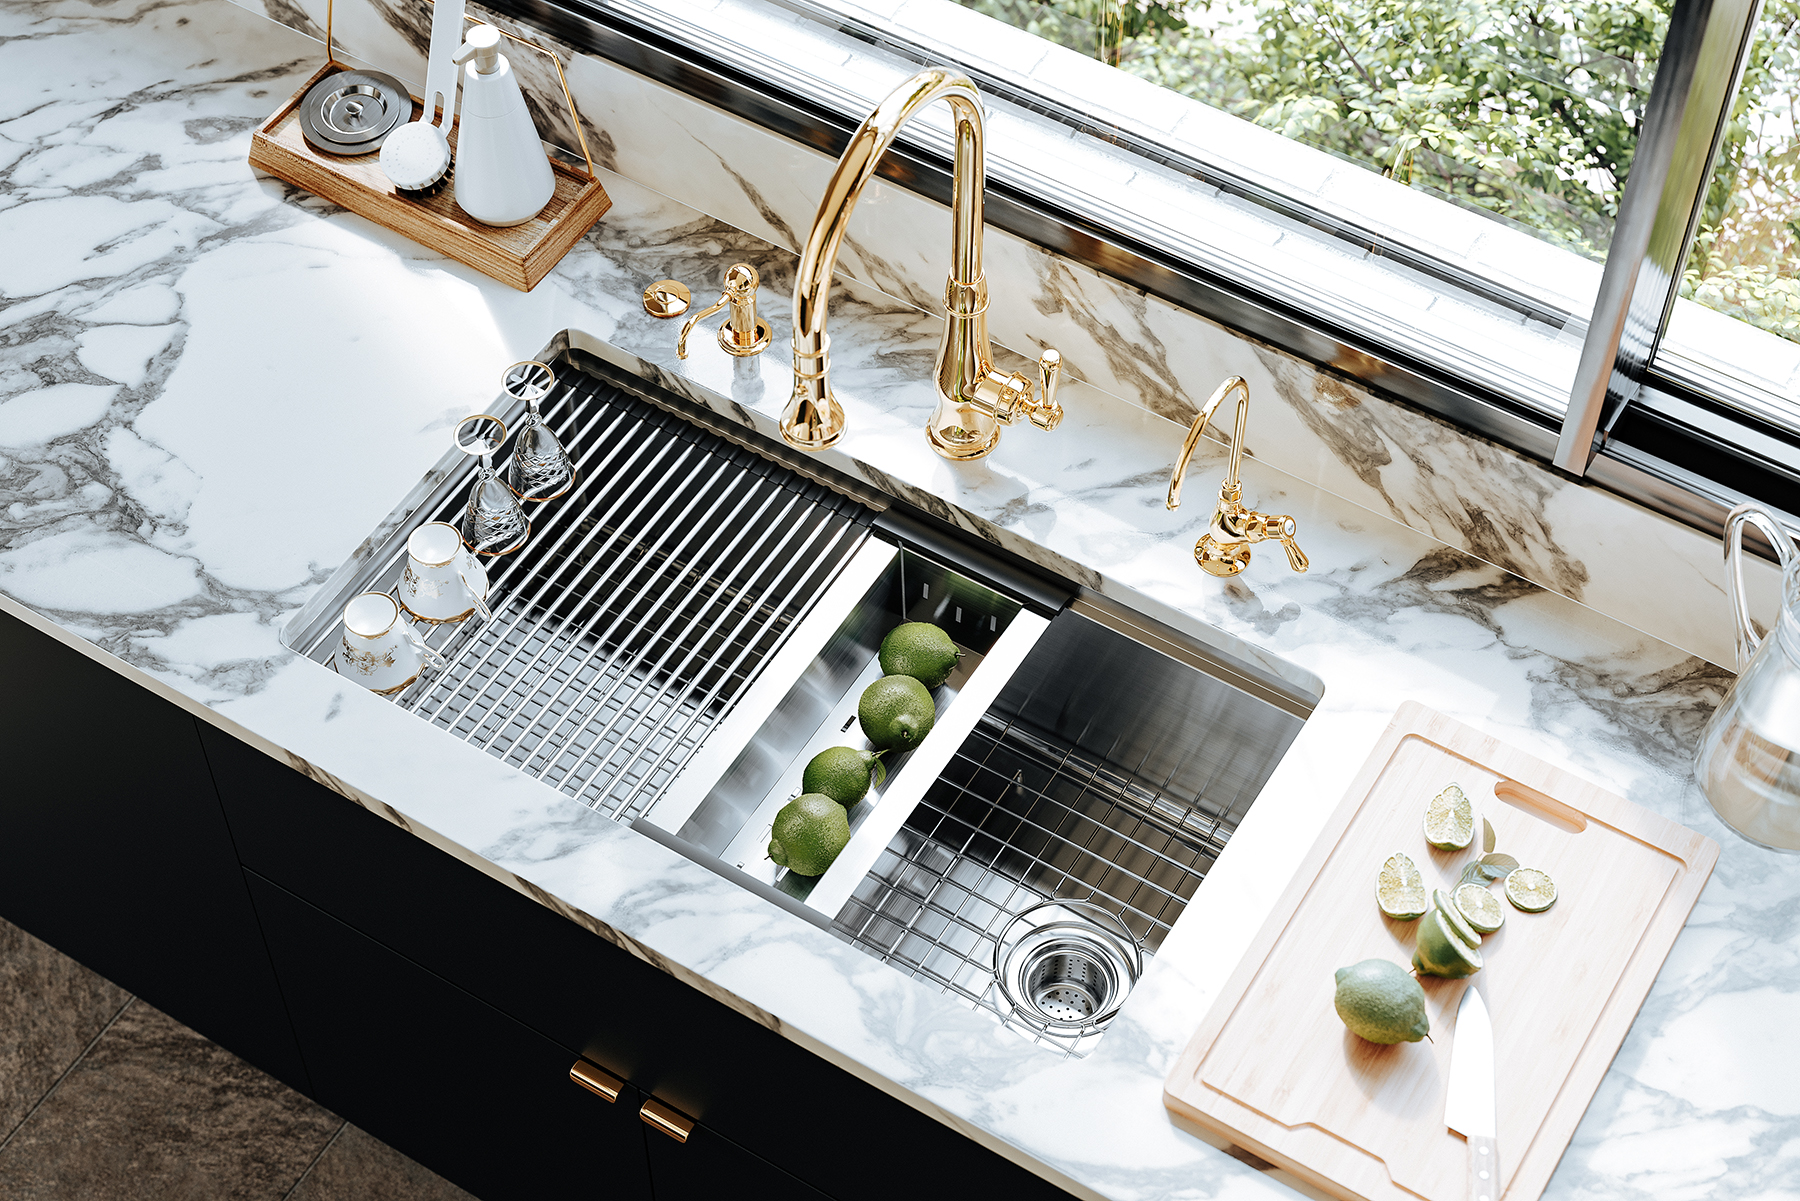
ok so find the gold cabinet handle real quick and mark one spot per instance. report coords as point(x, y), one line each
point(672, 1122)
point(598, 1081)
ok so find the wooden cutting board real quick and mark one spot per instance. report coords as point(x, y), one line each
point(1274, 1070)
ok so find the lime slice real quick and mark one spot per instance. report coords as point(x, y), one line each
point(1464, 929)
point(1400, 889)
point(1441, 952)
point(1479, 907)
point(1530, 890)
point(1450, 820)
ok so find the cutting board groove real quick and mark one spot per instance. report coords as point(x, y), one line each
point(1273, 1069)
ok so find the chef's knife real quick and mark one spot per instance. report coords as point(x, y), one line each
point(1469, 1108)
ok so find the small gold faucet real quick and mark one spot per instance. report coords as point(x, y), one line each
point(974, 399)
point(1225, 547)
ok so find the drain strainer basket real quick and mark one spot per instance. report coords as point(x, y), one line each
point(1067, 966)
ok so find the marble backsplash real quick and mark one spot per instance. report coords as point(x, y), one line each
point(1502, 507)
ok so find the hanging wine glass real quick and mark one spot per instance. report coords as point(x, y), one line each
point(540, 469)
point(494, 523)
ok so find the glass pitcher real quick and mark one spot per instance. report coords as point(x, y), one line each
point(1748, 763)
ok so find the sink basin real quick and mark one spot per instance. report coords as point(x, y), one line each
point(697, 619)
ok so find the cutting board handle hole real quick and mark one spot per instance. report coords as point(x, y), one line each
point(1544, 808)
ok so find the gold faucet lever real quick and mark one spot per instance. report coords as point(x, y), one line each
point(1225, 547)
point(974, 399)
point(744, 333)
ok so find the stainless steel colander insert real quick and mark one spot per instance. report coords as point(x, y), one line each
point(1067, 966)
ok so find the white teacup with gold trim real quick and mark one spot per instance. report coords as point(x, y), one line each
point(442, 580)
point(378, 649)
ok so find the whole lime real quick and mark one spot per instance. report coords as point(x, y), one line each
point(808, 834)
point(1381, 1002)
point(896, 713)
point(842, 773)
point(920, 650)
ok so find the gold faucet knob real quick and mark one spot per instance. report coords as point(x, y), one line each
point(744, 333)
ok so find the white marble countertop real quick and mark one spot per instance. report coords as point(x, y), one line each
point(212, 388)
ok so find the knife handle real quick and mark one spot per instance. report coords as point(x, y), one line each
point(1484, 1170)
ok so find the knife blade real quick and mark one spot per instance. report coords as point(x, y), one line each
point(1469, 1105)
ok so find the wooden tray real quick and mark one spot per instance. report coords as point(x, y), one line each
point(1273, 1069)
point(519, 255)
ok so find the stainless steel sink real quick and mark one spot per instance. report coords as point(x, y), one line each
point(695, 621)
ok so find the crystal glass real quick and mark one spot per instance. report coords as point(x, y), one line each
point(494, 523)
point(540, 468)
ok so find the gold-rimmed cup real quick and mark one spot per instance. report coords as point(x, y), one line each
point(377, 648)
point(442, 581)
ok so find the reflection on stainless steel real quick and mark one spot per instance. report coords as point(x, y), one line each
point(648, 599)
point(1106, 774)
point(819, 710)
point(693, 622)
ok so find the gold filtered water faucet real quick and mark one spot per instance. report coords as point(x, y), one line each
point(974, 399)
point(1225, 547)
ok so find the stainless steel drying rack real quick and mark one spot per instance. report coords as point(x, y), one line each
point(641, 606)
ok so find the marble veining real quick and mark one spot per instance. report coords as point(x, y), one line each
point(1485, 499)
point(192, 437)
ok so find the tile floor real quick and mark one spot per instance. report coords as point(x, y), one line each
point(104, 1098)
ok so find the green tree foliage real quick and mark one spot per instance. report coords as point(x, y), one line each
point(1744, 257)
point(1527, 112)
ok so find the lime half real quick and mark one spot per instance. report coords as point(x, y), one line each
point(1400, 889)
point(1530, 890)
point(1442, 952)
point(1450, 820)
point(1479, 907)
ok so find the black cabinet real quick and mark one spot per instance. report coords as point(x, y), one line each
point(113, 848)
point(443, 1076)
point(743, 1081)
point(709, 1167)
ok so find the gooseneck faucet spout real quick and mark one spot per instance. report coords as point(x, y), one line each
point(974, 400)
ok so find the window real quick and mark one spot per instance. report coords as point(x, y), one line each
point(1744, 265)
point(1510, 215)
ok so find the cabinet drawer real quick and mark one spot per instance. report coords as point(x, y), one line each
point(740, 1079)
point(442, 1076)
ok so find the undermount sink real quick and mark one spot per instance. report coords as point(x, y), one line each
point(697, 618)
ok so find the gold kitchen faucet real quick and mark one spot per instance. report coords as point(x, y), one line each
point(1225, 547)
point(974, 399)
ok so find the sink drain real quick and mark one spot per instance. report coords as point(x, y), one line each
point(1067, 966)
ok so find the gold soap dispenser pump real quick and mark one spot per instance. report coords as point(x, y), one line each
point(1224, 550)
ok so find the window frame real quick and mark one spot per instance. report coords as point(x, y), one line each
point(1638, 432)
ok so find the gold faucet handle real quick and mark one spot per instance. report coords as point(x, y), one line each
point(744, 333)
point(1046, 413)
point(1278, 527)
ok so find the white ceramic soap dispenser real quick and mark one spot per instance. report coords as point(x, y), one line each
point(502, 174)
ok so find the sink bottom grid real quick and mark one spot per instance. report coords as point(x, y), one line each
point(1018, 820)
